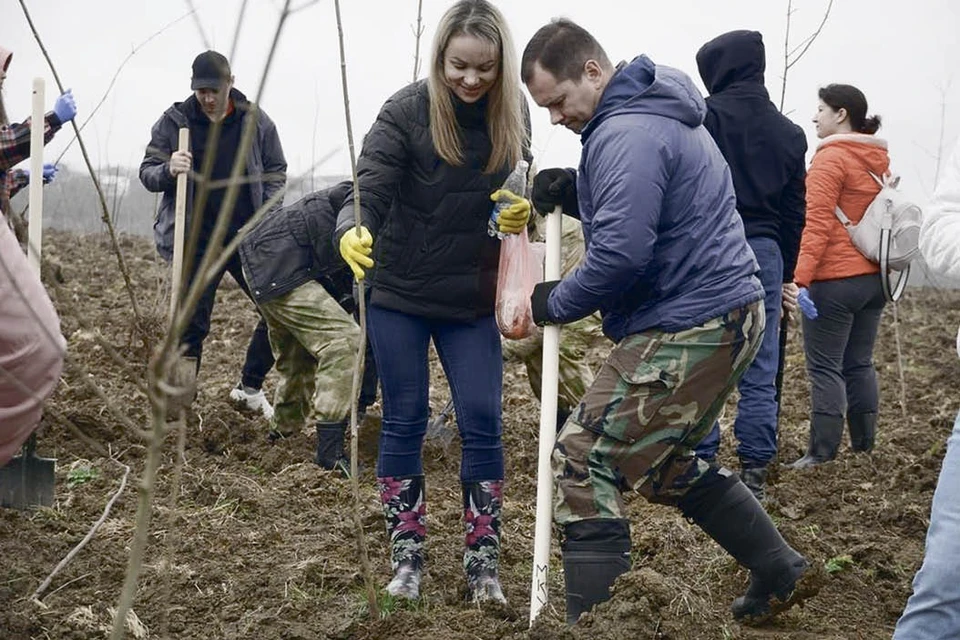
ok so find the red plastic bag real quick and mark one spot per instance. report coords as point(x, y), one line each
point(520, 270)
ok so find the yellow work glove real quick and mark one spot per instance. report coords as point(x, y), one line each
point(355, 250)
point(513, 218)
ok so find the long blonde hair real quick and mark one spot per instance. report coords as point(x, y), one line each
point(505, 123)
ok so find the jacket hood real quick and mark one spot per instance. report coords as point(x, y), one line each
point(642, 87)
point(869, 149)
point(736, 56)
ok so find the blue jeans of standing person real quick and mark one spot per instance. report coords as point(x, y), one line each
point(472, 360)
point(756, 423)
point(933, 611)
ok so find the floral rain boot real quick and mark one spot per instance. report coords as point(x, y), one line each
point(405, 510)
point(481, 559)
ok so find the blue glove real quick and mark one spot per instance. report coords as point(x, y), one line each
point(65, 107)
point(807, 307)
point(49, 172)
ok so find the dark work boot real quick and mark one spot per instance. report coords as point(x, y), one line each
point(863, 430)
point(482, 504)
point(725, 509)
point(330, 453)
point(595, 553)
point(754, 476)
point(826, 431)
point(405, 510)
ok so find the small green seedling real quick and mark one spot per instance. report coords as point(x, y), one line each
point(81, 475)
point(837, 564)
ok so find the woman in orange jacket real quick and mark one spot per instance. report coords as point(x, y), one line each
point(840, 289)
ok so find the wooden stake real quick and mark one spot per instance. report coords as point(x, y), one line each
point(35, 229)
point(180, 221)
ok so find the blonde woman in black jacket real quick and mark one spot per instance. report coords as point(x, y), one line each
point(439, 150)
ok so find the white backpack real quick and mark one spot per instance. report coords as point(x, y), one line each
point(888, 234)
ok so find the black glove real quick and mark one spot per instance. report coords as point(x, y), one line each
point(552, 187)
point(538, 302)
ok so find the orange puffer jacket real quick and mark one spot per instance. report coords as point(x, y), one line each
point(839, 176)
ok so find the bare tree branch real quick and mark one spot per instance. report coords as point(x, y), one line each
point(417, 33)
point(105, 215)
point(113, 81)
point(791, 56)
point(373, 606)
point(87, 538)
point(199, 25)
point(813, 36)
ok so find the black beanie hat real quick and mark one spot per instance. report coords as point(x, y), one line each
point(210, 71)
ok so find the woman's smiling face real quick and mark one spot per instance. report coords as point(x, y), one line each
point(470, 66)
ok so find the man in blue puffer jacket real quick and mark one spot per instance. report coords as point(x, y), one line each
point(668, 266)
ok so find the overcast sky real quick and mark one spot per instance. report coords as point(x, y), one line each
point(904, 56)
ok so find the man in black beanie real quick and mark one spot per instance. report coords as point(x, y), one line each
point(215, 115)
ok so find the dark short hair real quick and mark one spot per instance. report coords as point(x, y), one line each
point(845, 96)
point(562, 48)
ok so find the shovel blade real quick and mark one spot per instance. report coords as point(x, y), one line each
point(28, 481)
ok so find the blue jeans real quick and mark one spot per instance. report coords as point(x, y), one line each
point(933, 611)
point(472, 360)
point(756, 423)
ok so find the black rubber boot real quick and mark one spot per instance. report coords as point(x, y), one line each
point(595, 552)
point(330, 454)
point(754, 476)
point(725, 509)
point(826, 431)
point(863, 430)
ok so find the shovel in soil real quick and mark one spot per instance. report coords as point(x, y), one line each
point(27, 480)
point(438, 429)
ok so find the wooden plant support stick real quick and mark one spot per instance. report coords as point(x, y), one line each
point(35, 233)
point(372, 604)
point(180, 217)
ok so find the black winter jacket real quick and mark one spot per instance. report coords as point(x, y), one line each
point(295, 245)
point(764, 149)
point(265, 161)
point(432, 255)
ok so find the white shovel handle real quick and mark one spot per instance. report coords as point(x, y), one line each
point(539, 589)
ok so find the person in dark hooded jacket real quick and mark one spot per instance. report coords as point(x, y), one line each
point(668, 266)
point(305, 293)
point(765, 152)
point(214, 100)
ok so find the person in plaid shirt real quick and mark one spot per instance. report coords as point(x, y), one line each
point(31, 345)
point(15, 140)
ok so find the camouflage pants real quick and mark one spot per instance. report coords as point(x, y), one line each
point(575, 375)
point(656, 396)
point(315, 343)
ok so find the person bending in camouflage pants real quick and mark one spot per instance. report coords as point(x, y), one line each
point(668, 266)
point(291, 266)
